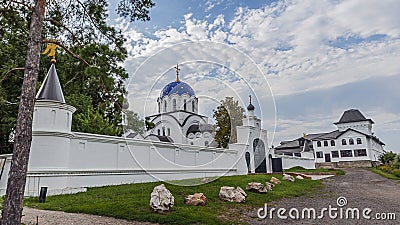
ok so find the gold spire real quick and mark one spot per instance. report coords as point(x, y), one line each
point(177, 73)
point(51, 51)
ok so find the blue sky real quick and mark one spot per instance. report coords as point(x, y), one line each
point(314, 59)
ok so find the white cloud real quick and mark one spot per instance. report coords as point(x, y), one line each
point(291, 41)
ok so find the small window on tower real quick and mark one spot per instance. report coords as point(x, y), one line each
point(193, 106)
point(184, 105)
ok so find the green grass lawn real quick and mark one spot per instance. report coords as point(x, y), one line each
point(301, 169)
point(131, 201)
point(384, 174)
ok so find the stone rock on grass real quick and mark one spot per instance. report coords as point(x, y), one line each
point(205, 180)
point(240, 190)
point(269, 186)
point(197, 199)
point(161, 199)
point(299, 177)
point(275, 180)
point(230, 194)
point(256, 187)
point(288, 177)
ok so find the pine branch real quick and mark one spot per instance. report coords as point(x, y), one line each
point(9, 72)
point(56, 23)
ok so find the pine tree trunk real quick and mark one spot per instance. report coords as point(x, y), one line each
point(13, 203)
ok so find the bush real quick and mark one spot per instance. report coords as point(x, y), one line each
point(386, 169)
point(396, 162)
point(396, 172)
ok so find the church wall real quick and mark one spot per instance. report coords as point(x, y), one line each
point(67, 165)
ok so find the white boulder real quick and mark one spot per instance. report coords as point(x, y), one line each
point(161, 199)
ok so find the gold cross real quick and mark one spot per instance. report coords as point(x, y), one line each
point(177, 73)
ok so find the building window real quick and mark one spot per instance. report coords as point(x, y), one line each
point(344, 142)
point(163, 131)
point(351, 141)
point(325, 143)
point(359, 141)
point(332, 142)
point(206, 143)
point(174, 104)
point(158, 132)
point(184, 104)
point(320, 155)
point(297, 154)
point(335, 154)
point(191, 143)
point(360, 152)
point(318, 144)
point(169, 131)
point(288, 154)
point(346, 153)
point(165, 106)
point(193, 105)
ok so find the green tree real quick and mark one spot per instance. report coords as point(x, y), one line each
point(134, 122)
point(228, 116)
point(387, 158)
point(92, 121)
point(75, 23)
point(149, 125)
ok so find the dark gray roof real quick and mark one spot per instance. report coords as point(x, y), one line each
point(352, 115)
point(162, 138)
point(51, 88)
point(328, 136)
point(199, 128)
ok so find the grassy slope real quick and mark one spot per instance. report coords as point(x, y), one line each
point(132, 201)
point(384, 174)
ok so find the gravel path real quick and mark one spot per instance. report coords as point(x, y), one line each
point(61, 218)
point(361, 188)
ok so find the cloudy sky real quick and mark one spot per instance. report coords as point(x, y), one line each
point(305, 61)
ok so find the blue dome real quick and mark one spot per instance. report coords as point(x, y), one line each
point(177, 87)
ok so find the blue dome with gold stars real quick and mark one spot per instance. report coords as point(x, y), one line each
point(177, 87)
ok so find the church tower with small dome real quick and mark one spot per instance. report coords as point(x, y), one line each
point(178, 120)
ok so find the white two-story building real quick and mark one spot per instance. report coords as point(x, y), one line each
point(353, 144)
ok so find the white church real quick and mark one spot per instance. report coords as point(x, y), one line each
point(180, 146)
point(178, 118)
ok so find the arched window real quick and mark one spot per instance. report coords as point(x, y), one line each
point(318, 144)
point(184, 105)
point(325, 143)
point(351, 141)
point(193, 105)
point(206, 143)
point(359, 141)
point(165, 106)
point(158, 131)
point(344, 142)
point(174, 104)
point(163, 131)
point(332, 142)
point(169, 131)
